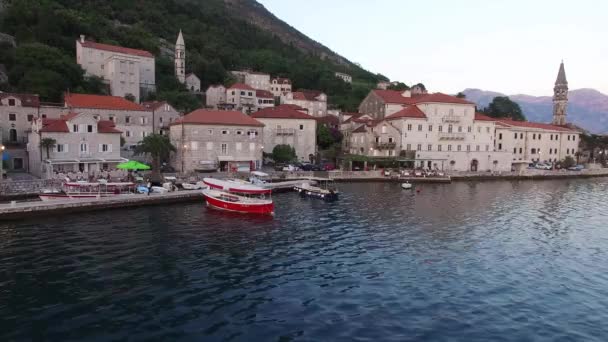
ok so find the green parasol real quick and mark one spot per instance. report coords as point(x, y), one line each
point(132, 165)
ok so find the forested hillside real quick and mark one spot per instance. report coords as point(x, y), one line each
point(217, 40)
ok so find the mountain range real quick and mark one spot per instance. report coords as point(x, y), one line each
point(587, 108)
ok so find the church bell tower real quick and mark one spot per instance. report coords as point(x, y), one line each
point(180, 58)
point(560, 97)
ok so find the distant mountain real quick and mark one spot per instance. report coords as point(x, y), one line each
point(587, 108)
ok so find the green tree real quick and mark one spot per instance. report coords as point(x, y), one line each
point(398, 86)
point(158, 147)
point(48, 144)
point(324, 137)
point(283, 153)
point(130, 97)
point(461, 95)
point(568, 162)
point(503, 107)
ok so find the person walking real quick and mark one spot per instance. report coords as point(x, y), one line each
point(149, 185)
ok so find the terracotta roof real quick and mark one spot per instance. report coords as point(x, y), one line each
point(360, 129)
point(328, 119)
point(407, 112)
point(100, 102)
point(307, 95)
point(264, 94)
point(218, 117)
point(61, 125)
point(293, 106)
point(483, 117)
point(115, 48)
point(537, 125)
point(241, 86)
point(153, 105)
point(281, 112)
point(394, 96)
point(27, 100)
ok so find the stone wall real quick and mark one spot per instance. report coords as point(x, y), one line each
point(11, 188)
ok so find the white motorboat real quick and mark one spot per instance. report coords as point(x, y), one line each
point(406, 185)
point(194, 186)
point(87, 190)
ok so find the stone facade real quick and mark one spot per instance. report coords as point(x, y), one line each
point(127, 71)
point(193, 83)
point(180, 58)
point(560, 97)
point(313, 101)
point(163, 113)
point(242, 97)
point(256, 80)
point(280, 86)
point(215, 96)
point(83, 144)
point(344, 77)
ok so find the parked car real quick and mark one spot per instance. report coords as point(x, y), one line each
point(543, 166)
point(576, 168)
point(279, 166)
point(328, 166)
point(290, 168)
point(309, 167)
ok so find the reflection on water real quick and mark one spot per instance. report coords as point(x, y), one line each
point(500, 261)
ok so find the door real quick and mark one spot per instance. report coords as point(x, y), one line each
point(474, 165)
point(17, 163)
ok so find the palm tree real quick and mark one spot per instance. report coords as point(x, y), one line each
point(48, 144)
point(158, 147)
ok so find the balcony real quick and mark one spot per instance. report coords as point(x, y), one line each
point(285, 131)
point(452, 136)
point(450, 119)
point(385, 145)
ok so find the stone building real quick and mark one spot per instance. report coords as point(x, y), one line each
point(208, 140)
point(127, 71)
point(193, 83)
point(314, 101)
point(133, 120)
point(380, 103)
point(82, 144)
point(17, 112)
point(215, 96)
point(560, 97)
point(280, 86)
point(163, 115)
point(180, 58)
point(264, 99)
point(344, 77)
point(256, 80)
point(242, 97)
point(284, 125)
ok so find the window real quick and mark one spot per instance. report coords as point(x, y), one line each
point(128, 134)
point(573, 137)
point(239, 146)
point(487, 129)
point(468, 148)
point(449, 147)
point(390, 139)
point(209, 146)
point(301, 127)
point(419, 128)
point(75, 128)
point(430, 128)
point(521, 135)
point(459, 129)
point(112, 118)
point(439, 148)
point(539, 137)
point(377, 139)
point(30, 118)
point(13, 117)
point(239, 132)
point(242, 93)
point(515, 137)
point(500, 136)
point(104, 148)
point(514, 150)
point(250, 94)
point(409, 127)
point(429, 147)
point(487, 148)
point(419, 147)
point(500, 147)
point(12, 102)
point(469, 129)
point(224, 149)
point(12, 135)
point(142, 120)
point(84, 148)
point(477, 148)
point(408, 147)
point(449, 128)
point(533, 136)
point(225, 132)
point(459, 148)
point(440, 128)
point(127, 119)
point(383, 129)
point(90, 128)
point(521, 150)
point(194, 145)
point(60, 148)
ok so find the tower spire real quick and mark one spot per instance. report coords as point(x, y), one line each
point(180, 58)
point(560, 97)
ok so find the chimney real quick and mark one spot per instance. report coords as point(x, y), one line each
point(406, 93)
point(82, 38)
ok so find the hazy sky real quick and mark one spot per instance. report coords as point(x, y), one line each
point(510, 46)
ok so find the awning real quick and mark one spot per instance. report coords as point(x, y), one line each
point(61, 161)
point(225, 158)
point(237, 159)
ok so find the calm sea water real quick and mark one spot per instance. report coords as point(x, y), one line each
point(495, 261)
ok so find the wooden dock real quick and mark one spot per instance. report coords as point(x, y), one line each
point(283, 186)
point(20, 210)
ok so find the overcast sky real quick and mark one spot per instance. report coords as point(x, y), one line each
point(510, 46)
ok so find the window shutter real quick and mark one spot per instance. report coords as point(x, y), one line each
point(66, 147)
point(109, 147)
point(100, 147)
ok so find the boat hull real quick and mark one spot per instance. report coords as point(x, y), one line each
point(64, 196)
point(328, 197)
point(243, 208)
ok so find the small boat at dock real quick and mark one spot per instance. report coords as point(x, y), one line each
point(238, 197)
point(324, 189)
point(406, 185)
point(87, 190)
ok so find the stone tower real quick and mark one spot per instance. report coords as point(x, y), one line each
point(560, 97)
point(180, 58)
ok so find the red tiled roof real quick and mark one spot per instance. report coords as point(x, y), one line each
point(360, 129)
point(407, 112)
point(115, 48)
point(306, 95)
point(281, 112)
point(241, 86)
point(394, 96)
point(537, 125)
point(483, 117)
point(218, 117)
point(54, 125)
point(328, 119)
point(293, 106)
point(263, 94)
point(100, 102)
point(61, 125)
point(27, 100)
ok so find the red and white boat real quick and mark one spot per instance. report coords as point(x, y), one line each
point(87, 190)
point(238, 197)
